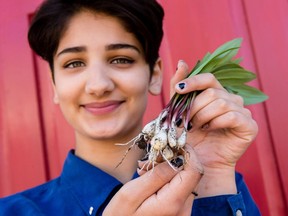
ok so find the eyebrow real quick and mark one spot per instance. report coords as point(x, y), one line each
point(77, 49)
point(121, 46)
point(109, 47)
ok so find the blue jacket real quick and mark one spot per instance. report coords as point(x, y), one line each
point(83, 189)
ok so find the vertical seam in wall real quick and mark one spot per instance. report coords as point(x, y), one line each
point(162, 95)
point(40, 112)
point(168, 59)
point(40, 117)
point(264, 104)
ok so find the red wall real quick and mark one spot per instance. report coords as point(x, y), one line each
point(34, 138)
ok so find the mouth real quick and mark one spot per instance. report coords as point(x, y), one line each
point(102, 108)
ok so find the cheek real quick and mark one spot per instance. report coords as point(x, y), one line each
point(137, 80)
point(67, 101)
point(66, 90)
point(139, 96)
point(137, 86)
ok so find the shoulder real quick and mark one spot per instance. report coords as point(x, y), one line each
point(27, 202)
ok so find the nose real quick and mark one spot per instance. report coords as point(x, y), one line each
point(98, 81)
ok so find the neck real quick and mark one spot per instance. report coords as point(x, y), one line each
point(107, 156)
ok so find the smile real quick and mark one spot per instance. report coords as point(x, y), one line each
point(102, 108)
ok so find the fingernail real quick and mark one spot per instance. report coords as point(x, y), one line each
point(180, 64)
point(178, 122)
point(164, 119)
point(181, 86)
point(189, 127)
point(177, 162)
point(141, 144)
point(195, 193)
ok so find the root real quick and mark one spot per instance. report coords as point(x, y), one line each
point(127, 143)
point(168, 161)
point(127, 151)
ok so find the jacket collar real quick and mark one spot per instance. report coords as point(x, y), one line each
point(89, 185)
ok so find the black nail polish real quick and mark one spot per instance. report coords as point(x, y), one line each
point(194, 193)
point(181, 85)
point(163, 119)
point(178, 122)
point(177, 162)
point(142, 145)
point(141, 142)
point(189, 127)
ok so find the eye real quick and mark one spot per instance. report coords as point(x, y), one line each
point(74, 64)
point(122, 61)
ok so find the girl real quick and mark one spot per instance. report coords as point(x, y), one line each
point(103, 55)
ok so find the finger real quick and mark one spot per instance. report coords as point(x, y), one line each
point(145, 166)
point(197, 83)
point(141, 171)
point(178, 190)
point(146, 185)
point(221, 100)
point(187, 208)
point(182, 72)
point(186, 180)
point(243, 127)
point(212, 94)
point(215, 109)
point(193, 169)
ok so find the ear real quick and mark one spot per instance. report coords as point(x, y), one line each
point(155, 85)
point(55, 97)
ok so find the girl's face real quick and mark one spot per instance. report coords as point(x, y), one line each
point(102, 79)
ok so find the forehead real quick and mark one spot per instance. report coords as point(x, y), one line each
point(91, 28)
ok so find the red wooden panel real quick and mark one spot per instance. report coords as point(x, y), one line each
point(192, 28)
point(21, 159)
point(269, 33)
point(34, 144)
point(262, 153)
point(58, 136)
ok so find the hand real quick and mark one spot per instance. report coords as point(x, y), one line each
point(222, 129)
point(159, 191)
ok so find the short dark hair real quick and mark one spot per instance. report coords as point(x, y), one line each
point(143, 18)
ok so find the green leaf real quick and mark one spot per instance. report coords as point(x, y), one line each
point(250, 94)
point(228, 46)
point(229, 65)
point(206, 57)
point(233, 76)
point(196, 66)
point(220, 60)
point(237, 60)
